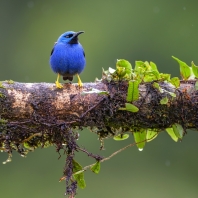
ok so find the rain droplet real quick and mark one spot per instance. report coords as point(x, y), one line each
point(140, 149)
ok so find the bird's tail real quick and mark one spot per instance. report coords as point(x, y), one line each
point(70, 78)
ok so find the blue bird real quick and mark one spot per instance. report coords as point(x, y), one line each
point(67, 57)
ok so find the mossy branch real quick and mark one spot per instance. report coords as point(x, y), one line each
point(39, 114)
point(142, 101)
point(28, 108)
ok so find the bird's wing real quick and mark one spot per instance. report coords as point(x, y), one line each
point(53, 48)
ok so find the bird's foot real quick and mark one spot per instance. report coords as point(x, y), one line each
point(80, 84)
point(58, 85)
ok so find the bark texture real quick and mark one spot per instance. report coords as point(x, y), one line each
point(27, 109)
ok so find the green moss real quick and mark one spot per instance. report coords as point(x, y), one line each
point(1, 95)
point(1, 84)
point(9, 81)
point(2, 121)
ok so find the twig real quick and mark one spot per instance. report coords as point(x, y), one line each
point(83, 115)
point(96, 157)
point(112, 155)
point(107, 158)
point(34, 135)
point(119, 151)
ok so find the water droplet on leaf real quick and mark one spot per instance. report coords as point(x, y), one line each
point(140, 149)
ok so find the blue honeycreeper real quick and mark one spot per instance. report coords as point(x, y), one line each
point(67, 57)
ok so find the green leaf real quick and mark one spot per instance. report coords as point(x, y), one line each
point(78, 174)
point(175, 81)
point(76, 166)
point(192, 76)
point(131, 107)
point(165, 77)
point(194, 69)
point(178, 130)
point(154, 67)
point(184, 69)
point(121, 72)
point(164, 101)
point(138, 64)
point(172, 94)
point(26, 145)
point(171, 132)
point(121, 137)
point(151, 76)
point(157, 86)
point(148, 78)
point(154, 70)
point(156, 74)
point(123, 67)
point(126, 64)
point(140, 139)
point(196, 85)
point(96, 167)
point(151, 135)
point(146, 64)
point(133, 91)
point(80, 180)
point(140, 69)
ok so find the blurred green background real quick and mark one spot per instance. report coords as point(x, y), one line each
point(151, 30)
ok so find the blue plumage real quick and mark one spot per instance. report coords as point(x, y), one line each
point(67, 57)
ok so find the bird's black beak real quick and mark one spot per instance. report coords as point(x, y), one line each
point(74, 40)
point(77, 33)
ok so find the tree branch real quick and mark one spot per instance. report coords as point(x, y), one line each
point(28, 105)
point(39, 114)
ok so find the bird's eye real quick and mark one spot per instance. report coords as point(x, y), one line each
point(69, 36)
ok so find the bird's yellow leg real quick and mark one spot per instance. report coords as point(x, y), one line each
point(58, 85)
point(80, 84)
